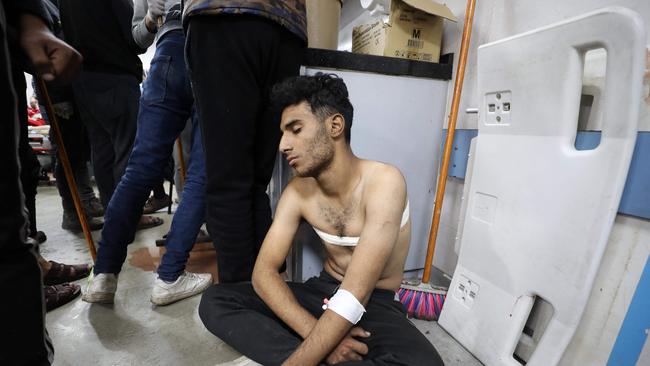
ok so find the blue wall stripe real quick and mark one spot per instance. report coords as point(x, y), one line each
point(636, 195)
point(632, 336)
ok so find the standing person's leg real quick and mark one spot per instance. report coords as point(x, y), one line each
point(285, 62)
point(189, 216)
point(122, 129)
point(230, 60)
point(25, 340)
point(91, 103)
point(174, 283)
point(159, 190)
point(73, 136)
point(164, 110)
point(91, 204)
point(70, 142)
point(109, 107)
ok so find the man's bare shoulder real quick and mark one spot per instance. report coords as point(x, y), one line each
point(301, 188)
point(383, 175)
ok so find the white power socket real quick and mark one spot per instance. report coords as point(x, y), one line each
point(498, 106)
point(466, 291)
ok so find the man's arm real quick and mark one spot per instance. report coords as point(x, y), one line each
point(144, 33)
point(266, 280)
point(385, 203)
point(145, 21)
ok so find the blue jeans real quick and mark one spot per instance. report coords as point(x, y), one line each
point(165, 107)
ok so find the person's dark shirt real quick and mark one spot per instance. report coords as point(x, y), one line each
point(101, 31)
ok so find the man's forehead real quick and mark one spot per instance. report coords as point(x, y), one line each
point(294, 113)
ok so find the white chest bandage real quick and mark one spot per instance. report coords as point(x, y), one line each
point(346, 305)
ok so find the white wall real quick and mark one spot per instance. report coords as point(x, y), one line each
point(629, 244)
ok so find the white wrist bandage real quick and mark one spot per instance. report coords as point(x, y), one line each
point(346, 305)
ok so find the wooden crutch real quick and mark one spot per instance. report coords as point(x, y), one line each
point(69, 176)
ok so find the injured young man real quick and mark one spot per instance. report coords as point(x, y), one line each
point(360, 210)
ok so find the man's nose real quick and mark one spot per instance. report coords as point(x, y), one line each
point(284, 144)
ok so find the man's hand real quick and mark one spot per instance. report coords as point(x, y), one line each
point(155, 10)
point(349, 349)
point(52, 58)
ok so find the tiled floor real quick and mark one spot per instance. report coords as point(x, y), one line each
point(133, 331)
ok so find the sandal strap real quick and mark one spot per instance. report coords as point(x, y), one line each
point(57, 295)
point(60, 273)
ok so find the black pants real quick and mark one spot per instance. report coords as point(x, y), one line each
point(234, 60)
point(25, 341)
point(234, 313)
point(77, 146)
point(108, 105)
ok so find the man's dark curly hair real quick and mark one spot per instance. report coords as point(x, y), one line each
point(325, 93)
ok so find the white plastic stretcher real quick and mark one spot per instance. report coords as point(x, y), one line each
point(539, 212)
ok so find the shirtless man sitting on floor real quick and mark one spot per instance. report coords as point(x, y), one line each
point(360, 210)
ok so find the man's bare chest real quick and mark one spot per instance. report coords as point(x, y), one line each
point(340, 220)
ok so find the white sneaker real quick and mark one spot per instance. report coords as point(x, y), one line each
point(241, 361)
point(186, 285)
point(101, 288)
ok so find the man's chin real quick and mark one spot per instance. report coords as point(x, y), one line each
point(303, 173)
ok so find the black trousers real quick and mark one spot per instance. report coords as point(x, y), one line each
point(77, 146)
point(234, 60)
point(108, 106)
point(234, 313)
point(25, 341)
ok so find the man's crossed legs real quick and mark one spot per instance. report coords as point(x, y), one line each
point(235, 314)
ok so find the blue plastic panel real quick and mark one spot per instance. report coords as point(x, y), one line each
point(636, 195)
point(460, 151)
point(632, 336)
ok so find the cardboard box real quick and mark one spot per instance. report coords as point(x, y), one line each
point(413, 31)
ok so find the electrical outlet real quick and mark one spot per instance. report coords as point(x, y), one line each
point(498, 106)
point(466, 291)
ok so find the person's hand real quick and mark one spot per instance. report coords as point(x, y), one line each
point(155, 9)
point(349, 349)
point(52, 58)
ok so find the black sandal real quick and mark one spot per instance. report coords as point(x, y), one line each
point(62, 273)
point(59, 295)
point(152, 221)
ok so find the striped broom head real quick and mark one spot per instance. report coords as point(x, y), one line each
point(422, 304)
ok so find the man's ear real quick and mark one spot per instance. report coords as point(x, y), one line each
point(337, 125)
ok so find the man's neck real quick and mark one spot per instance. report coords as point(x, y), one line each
point(342, 176)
